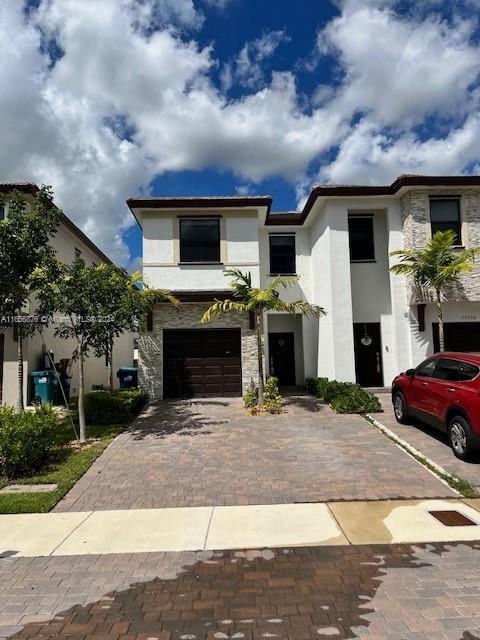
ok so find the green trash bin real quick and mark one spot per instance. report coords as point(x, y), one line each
point(44, 386)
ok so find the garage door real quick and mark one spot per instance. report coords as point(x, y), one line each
point(204, 363)
point(459, 336)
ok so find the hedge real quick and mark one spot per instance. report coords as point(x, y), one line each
point(343, 397)
point(26, 440)
point(113, 407)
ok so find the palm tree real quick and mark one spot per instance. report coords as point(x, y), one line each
point(247, 298)
point(436, 266)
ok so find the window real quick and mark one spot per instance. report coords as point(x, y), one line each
point(426, 369)
point(78, 254)
point(455, 370)
point(360, 234)
point(445, 216)
point(282, 254)
point(200, 240)
point(2, 211)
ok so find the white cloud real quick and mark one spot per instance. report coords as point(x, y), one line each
point(218, 4)
point(132, 97)
point(248, 68)
point(398, 68)
point(369, 156)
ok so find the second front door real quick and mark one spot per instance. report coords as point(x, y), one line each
point(281, 349)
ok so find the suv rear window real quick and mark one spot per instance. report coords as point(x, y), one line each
point(455, 370)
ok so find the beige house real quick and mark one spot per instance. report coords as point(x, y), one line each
point(68, 242)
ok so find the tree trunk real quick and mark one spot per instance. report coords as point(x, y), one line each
point(81, 407)
point(19, 407)
point(110, 364)
point(259, 327)
point(441, 332)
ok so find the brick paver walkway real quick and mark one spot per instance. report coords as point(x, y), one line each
point(431, 442)
point(401, 592)
point(210, 453)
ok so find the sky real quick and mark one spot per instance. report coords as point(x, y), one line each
point(107, 99)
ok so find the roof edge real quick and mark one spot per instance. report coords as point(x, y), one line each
point(32, 189)
point(299, 217)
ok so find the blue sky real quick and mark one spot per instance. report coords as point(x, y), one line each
point(104, 99)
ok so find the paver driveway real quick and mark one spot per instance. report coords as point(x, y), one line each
point(206, 453)
point(399, 592)
point(432, 442)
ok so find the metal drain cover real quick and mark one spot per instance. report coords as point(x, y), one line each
point(452, 518)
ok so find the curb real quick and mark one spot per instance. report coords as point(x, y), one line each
point(435, 469)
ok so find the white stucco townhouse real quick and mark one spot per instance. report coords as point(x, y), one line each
point(68, 242)
point(339, 246)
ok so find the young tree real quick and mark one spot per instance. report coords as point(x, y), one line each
point(123, 301)
point(24, 251)
point(96, 305)
point(247, 298)
point(435, 267)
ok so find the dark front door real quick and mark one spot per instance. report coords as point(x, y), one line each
point(368, 354)
point(459, 336)
point(281, 349)
point(203, 363)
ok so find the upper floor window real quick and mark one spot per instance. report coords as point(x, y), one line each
point(2, 211)
point(360, 234)
point(282, 254)
point(78, 254)
point(445, 216)
point(200, 240)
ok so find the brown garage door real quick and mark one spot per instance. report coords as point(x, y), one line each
point(204, 363)
point(459, 336)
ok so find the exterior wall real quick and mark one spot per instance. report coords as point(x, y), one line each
point(331, 289)
point(161, 262)
point(302, 290)
point(422, 341)
point(64, 243)
point(284, 323)
point(371, 299)
point(417, 232)
point(150, 345)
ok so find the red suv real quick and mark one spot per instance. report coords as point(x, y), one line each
point(443, 391)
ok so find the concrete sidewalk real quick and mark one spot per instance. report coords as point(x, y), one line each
point(238, 527)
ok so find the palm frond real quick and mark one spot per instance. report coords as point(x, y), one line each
point(219, 307)
point(438, 264)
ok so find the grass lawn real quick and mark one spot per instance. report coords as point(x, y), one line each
point(71, 462)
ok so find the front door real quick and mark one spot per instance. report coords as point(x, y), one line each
point(281, 348)
point(368, 354)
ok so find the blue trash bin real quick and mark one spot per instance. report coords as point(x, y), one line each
point(44, 386)
point(128, 377)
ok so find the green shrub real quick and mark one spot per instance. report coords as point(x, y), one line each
point(311, 385)
point(354, 399)
point(272, 400)
point(250, 399)
point(26, 440)
point(117, 407)
point(343, 397)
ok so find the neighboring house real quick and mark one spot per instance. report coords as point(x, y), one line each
point(339, 246)
point(69, 242)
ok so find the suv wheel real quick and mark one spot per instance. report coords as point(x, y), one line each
point(400, 407)
point(460, 437)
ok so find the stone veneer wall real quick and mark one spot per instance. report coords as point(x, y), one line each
point(416, 229)
point(150, 344)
